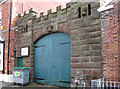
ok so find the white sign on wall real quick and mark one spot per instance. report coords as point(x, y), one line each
point(24, 51)
point(1, 56)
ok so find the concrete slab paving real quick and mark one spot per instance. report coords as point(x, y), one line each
point(4, 84)
point(33, 85)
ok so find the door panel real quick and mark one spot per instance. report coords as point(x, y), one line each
point(52, 59)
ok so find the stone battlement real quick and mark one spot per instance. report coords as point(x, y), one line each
point(60, 13)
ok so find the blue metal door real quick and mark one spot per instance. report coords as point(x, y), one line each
point(52, 60)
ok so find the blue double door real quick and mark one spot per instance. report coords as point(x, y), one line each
point(52, 60)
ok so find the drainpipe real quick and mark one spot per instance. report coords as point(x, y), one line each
point(9, 37)
point(3, 43)
point(3, 55)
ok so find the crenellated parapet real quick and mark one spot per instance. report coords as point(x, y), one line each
point(31, 13)
point(73, 10)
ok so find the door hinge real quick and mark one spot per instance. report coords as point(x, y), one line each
point(39, 79)
point(40, 46)
point(64, 81)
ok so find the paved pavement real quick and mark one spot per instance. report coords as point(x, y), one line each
point(4, 84)
point(33, 85)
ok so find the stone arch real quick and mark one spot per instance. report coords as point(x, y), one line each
point(46, 33)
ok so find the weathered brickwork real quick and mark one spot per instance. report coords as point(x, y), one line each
point(85, 37)
point(111, 42)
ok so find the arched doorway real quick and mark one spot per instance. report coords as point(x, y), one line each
point(52, 60)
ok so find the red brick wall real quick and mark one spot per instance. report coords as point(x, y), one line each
point(110, 43)
point(5, 23)
point(119, 35)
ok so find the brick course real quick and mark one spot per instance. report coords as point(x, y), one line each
point(110, 42)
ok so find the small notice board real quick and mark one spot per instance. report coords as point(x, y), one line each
point(25, 51)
